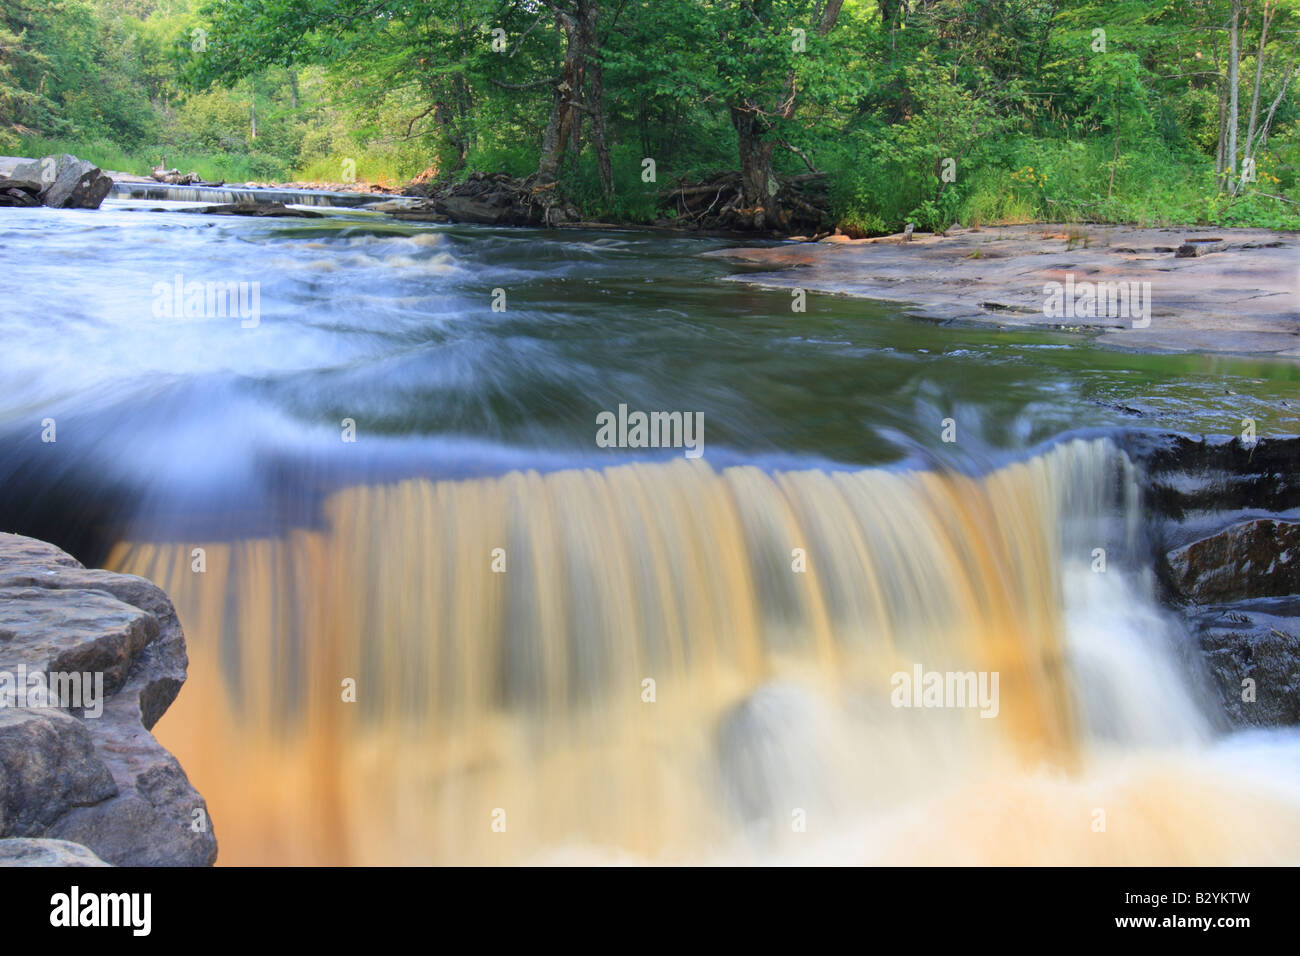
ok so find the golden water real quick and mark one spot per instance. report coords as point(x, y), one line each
point(652, 677)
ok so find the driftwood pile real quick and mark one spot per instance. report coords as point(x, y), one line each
point(714, 205)
point(801, 205)
point(493, 199)
point(174, 177)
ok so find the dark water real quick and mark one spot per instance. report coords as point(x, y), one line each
point(392, 325)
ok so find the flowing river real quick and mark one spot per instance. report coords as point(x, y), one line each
point(431, 618)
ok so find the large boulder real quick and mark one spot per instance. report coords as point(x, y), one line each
point(66, 182)
point(93, 776)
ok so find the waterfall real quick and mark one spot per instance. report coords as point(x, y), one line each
point(670, 663)
point(162, 192)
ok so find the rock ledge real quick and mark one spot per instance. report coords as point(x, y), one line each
point(71, 774)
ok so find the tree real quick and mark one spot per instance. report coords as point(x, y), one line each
point(761, 45)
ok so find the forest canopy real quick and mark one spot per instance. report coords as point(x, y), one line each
point(902, 111)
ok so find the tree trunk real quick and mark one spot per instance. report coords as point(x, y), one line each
point(580, 91)
point(1259, 75)
point(556, 137)
point(464, 106)
point(1234, 70)
point(594, 94)
point(1221, 153)
point(759, 183)
point(1248, 153)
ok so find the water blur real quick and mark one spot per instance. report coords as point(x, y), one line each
point(522, 689)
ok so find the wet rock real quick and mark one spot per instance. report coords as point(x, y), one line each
point(256, 209)
point(1252, 652)
point(396, 205)
point(1221, 303)
point(1221, 516)
point(174, 177)
point(21, 851)
point(1187, 478)
point(103, 782)
point(66, 181)
point(1252, 559)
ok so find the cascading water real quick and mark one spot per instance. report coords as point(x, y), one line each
point(670, 663)
point(164, 192)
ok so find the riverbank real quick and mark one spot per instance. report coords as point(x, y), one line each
point(1243, 300)
point(9, 163)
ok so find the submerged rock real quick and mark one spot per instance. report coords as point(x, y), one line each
point(93, 774)
point(256, 209)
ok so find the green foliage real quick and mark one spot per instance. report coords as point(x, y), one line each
point(1041, 116)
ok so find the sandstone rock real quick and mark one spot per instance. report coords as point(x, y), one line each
point(1253, 559)
point(28, 852)
point(67, 182)
point(48, 766)
point(1192, 248)
point(103, 782)
point(74, 631)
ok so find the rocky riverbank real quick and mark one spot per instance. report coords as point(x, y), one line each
point(61, 182)
point(1224, 519)
point(1242, 298)
point(89, 782)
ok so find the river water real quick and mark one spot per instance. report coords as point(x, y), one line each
point(432, 619)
